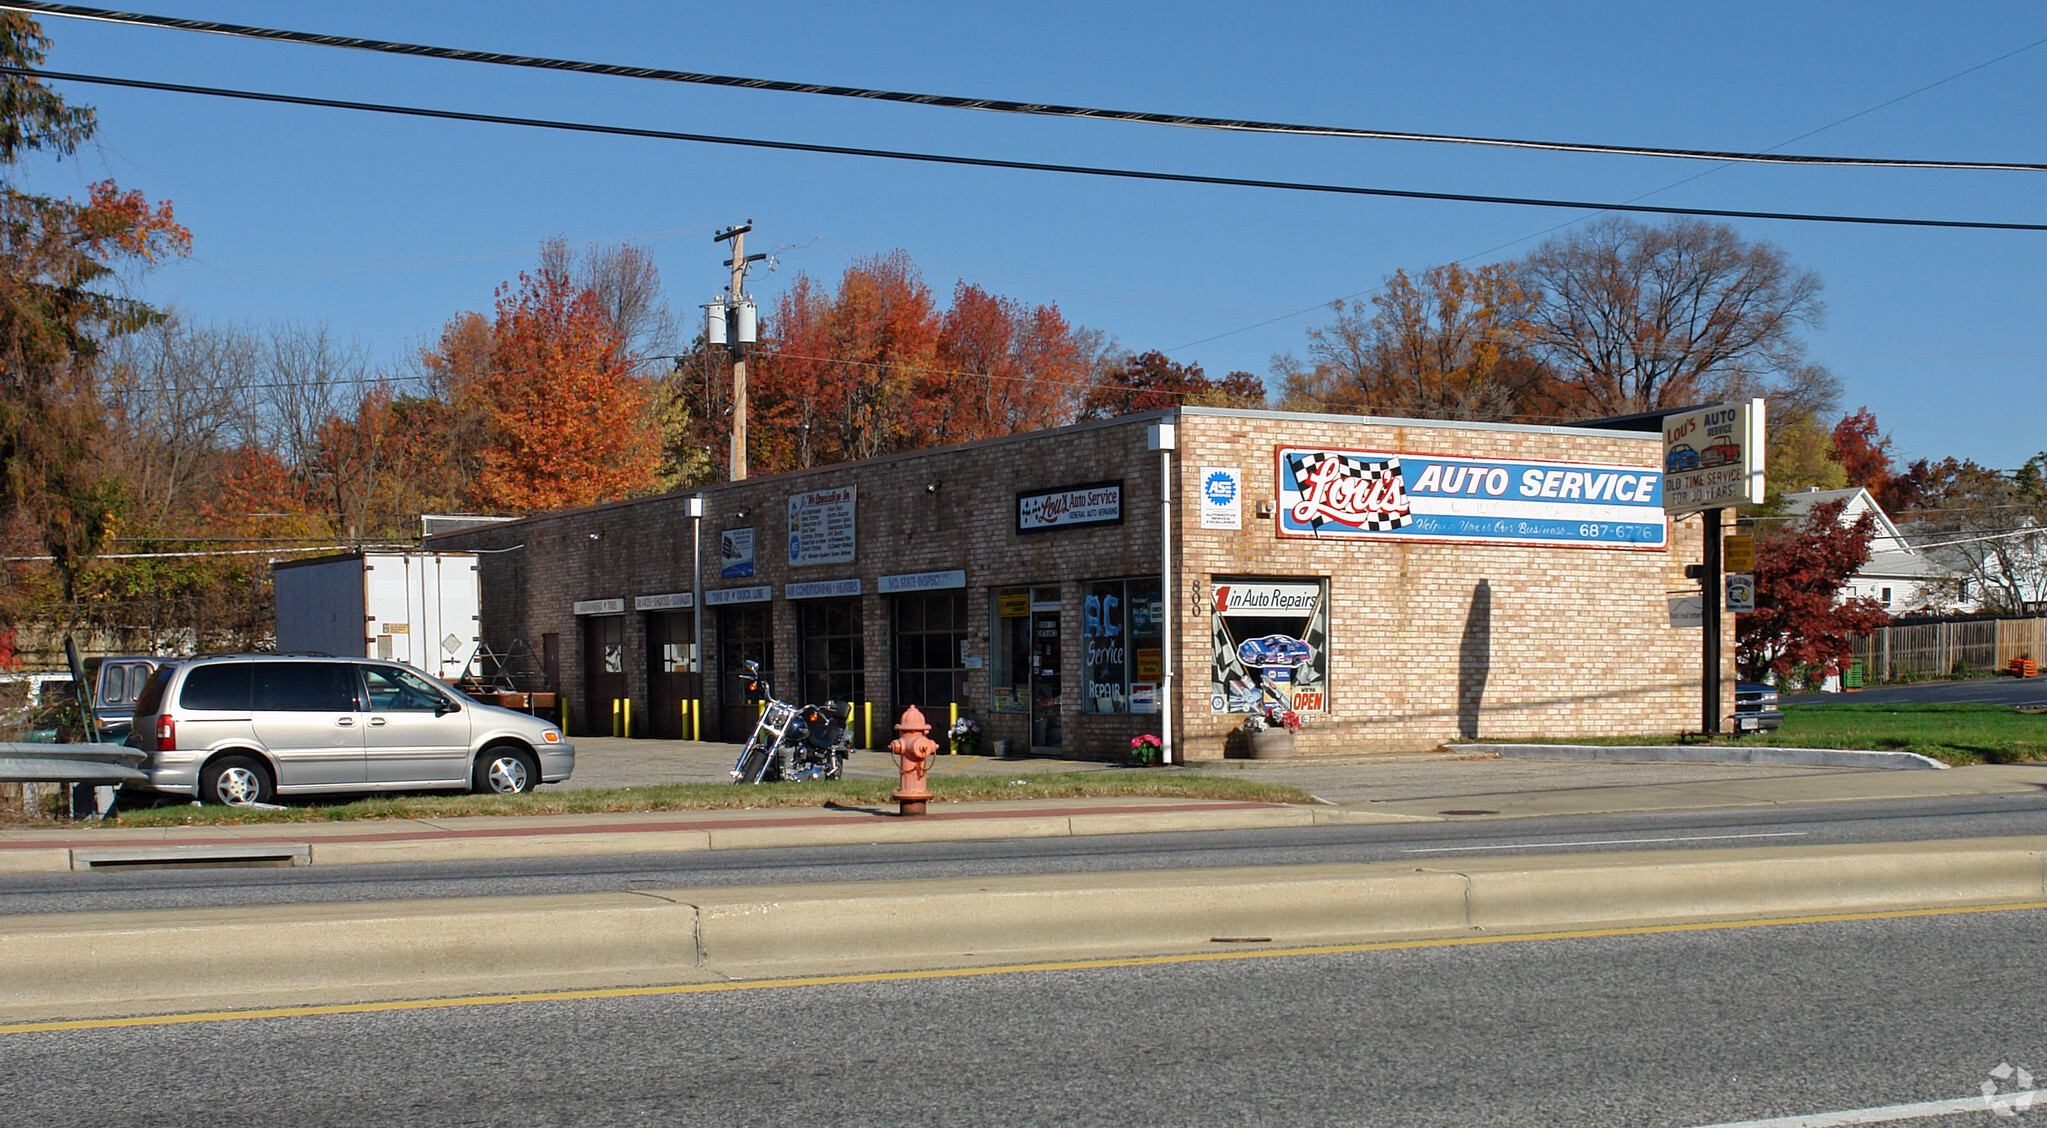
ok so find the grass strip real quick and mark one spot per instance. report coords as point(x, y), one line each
point(1953, 734)
point(1152, 783)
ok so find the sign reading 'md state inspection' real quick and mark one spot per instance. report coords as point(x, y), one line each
point(1399, 496)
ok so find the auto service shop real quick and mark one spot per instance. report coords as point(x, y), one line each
point(1399, 583)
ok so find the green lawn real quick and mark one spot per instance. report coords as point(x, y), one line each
point(1956, 734)
point(716, 796)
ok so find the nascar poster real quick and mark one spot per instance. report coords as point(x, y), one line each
point(1271, 644)
point(1384, 495)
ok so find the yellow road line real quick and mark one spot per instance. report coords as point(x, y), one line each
point(960, 972)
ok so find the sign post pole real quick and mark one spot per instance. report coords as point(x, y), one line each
point(1709, 606)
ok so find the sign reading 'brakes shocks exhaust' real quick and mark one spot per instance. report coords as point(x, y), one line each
point(1387, 495)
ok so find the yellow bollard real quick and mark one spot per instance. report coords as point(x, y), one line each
point(696, 719)
point(627, 727)
point(614, 716)
point(867, 722)
point(949, 726)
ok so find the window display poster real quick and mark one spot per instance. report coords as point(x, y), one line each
point(1270, 639)
point(735, 553)
point(1108, 650)
point(821, 526)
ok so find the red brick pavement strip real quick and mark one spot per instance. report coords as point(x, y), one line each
point(837, 816)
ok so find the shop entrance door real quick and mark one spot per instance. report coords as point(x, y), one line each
point(603, 671)
point(745, 633)
point(672, 678)
point(1046, 731)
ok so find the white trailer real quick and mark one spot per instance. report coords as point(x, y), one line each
point(420, 608)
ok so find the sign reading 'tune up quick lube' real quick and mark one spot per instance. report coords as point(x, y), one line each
point(1386, 495)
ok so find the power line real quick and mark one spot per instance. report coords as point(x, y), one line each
point(1942, 81)
point(1027, 166)
point(992, 105)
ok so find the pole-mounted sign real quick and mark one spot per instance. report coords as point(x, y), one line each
point(1713, 457)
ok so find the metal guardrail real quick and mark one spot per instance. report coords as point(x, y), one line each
point(70, 763)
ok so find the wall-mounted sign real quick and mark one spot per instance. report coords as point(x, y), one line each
point(1222, 497)
point(718, 597)
point(1738, 553)
point(922, 581)
point(1713, 457)
point(1384, 495)
point(598, 606)
point(1686, 611)
point(823, 589)
point(672, 602)
point(1095, 503)
point(821, 526)
point(1013, 604)
point(1270, 645)
point(735, 553)
point(1741, 592)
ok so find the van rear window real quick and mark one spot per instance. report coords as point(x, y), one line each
point(150, 701)
point(224, 687)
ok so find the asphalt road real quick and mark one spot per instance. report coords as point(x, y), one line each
point(1668, 1029)
point(1969, 691)
point(1812, 824)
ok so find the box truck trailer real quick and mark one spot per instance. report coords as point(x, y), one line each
point(419, 608)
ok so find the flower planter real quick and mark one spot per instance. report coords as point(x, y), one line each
point(1270, 744)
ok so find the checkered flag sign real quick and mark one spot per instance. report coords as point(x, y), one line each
point(1345, 489)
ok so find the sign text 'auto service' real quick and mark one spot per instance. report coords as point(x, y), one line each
point(1384, 495)
point(1094, 503)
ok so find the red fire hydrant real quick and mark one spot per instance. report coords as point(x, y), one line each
point(912, 747)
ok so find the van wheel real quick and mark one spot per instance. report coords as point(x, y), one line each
point(235, 781)
point(505, 771)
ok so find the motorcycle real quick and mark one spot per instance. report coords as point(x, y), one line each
point(793, 743)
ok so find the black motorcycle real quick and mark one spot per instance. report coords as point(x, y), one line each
point(792, 743)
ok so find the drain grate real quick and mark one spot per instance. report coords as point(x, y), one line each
point(171, 857)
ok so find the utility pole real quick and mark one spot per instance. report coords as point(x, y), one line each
point(735, 303)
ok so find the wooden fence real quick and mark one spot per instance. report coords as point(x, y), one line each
point(1936, 650)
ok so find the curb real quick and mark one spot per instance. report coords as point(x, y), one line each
point(652, 834)
point(1710, 754)
point(166, 960)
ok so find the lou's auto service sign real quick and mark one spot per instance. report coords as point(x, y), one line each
point(1391, 495)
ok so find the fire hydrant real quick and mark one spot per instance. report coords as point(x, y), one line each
point(912, 747)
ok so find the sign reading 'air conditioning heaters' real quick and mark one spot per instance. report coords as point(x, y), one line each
point(1394, 496)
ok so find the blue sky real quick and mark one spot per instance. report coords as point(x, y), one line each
point(384, 228)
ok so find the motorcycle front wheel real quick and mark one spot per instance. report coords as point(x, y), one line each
point(753, 764)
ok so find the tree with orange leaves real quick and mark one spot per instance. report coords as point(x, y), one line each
point(566, 422)
point(56, 258)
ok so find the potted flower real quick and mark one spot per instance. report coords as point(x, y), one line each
point(1270, 732)
point(1145, 749)
point(965, 735)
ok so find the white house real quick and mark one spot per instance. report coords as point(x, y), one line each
point(1902, 578)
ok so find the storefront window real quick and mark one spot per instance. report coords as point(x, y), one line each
point(1122, 632)
point(1009, 667)
point(1270, 640)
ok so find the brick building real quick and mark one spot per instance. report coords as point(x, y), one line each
point(1401, 583)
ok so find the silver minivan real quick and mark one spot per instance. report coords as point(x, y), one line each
point(243, 729)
